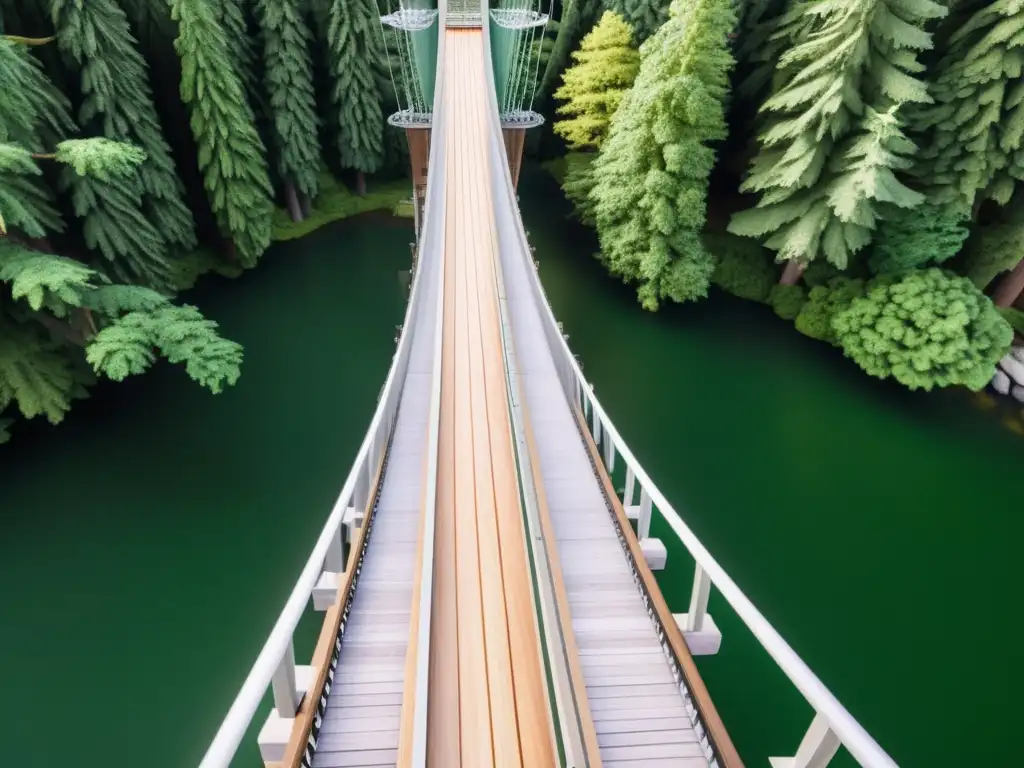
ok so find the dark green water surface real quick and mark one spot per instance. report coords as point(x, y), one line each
point(148, 544)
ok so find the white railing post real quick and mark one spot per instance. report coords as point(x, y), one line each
point(627, 494)
point(286, 698)
point(816, 750)
point(596, 432)
point(643, 521)
point(698, 600)
point(609, 453)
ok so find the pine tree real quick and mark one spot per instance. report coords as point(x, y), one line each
point(231, 156)
point(289, 82)
point(975, 129)
point(356, 54)
point(644, 16)
point(833, 137)
point(135, 221)
point(605, 67)
point(651, 177)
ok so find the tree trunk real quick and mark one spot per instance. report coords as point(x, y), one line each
point(1010, 287)
point(791, 274)
point(230, 252)
point(360, 183)
point(307, 206)
point(294, 210)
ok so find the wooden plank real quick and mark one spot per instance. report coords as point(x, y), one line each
point(728, 757)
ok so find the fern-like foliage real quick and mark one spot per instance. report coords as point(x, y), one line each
point(114, 300)
point(35, 373)
point(181, 334)
point(24, 202)
point(102, 159)
point(43, 280)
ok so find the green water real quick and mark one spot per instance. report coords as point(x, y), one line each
point(148, 544)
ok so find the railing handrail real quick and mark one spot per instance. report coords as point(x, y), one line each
point(232, 729)
point(851, 733)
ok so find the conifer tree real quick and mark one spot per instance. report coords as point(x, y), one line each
point(356, 55)
point(974, 146)
point(833, 136)
point(231, 156)
point(604, 69)
point(135, 220)
point(644, 16)
point(652, 174)
point(289, 81)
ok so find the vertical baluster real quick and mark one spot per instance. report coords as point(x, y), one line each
point(817, 748)
point(596, 431)
point(334, 560)
point(286, 698)
point(643, 523)
point(698, 600)
point(609, 452)
point(627, 496)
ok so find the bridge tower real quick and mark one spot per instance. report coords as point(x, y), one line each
point(410, 31)
point(517, 30)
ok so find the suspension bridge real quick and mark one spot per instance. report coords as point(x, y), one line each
point(486, 576)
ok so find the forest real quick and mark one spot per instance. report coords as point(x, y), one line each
point(855, 164)
point(858, 165)
point(144, 143)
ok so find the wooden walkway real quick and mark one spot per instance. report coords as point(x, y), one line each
point(488, 698)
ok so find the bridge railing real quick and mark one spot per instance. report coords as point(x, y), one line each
point(832, 724)
point(275, 666)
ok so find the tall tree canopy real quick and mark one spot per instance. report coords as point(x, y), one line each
point(289, 81)
point(833, 139)
point(231, 155)
point(133, 221)
point(356, 54)
point(974, 147)
point(652, 175)
point(644, 16)
point(604, 69)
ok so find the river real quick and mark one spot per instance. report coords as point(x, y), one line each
point(147, 544)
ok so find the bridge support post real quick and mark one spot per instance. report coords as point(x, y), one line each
point(515, 140)
point(419, 160)
point(290, 684)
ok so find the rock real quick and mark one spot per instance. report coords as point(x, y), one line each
point(1018, 393)
point(1014, 368)
point(1018, 353)
point(1001, 382)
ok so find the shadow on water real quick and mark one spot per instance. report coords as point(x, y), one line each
point(148, 544)
point(872, 526)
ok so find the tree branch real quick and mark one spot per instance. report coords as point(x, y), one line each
point(31, 41)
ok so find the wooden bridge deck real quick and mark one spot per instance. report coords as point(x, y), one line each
point(488, 698)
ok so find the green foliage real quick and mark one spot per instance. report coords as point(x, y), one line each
point(43, 280)
point(995, 248)
point(231, 155)
point(823, 303)
point(145, 214)
point(787, 300)
point(819, 273)
point(33, 113)
point(832, 138)
point(289, 82)
point(1014, 317)
point(925, 328)
point(652, 175)
point(644, 16)
point(922, 237)
point(181, 334)
point(102, 159)
point(336, 202)
point(578, 183)
point(35, 374)
point(605, 67)
point(743, 268)
point(24, 202)
point(975, 129)
point(356, 54)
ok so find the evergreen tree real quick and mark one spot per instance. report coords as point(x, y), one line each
point(833, 135)
point(231, 155)
point(577, 17)
point(651, 177)
point(975, 129)
point(644, 16)
point(925, 236)
point(356, 56)
point(132, 221)
point(605, 67)
point(289, 81)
